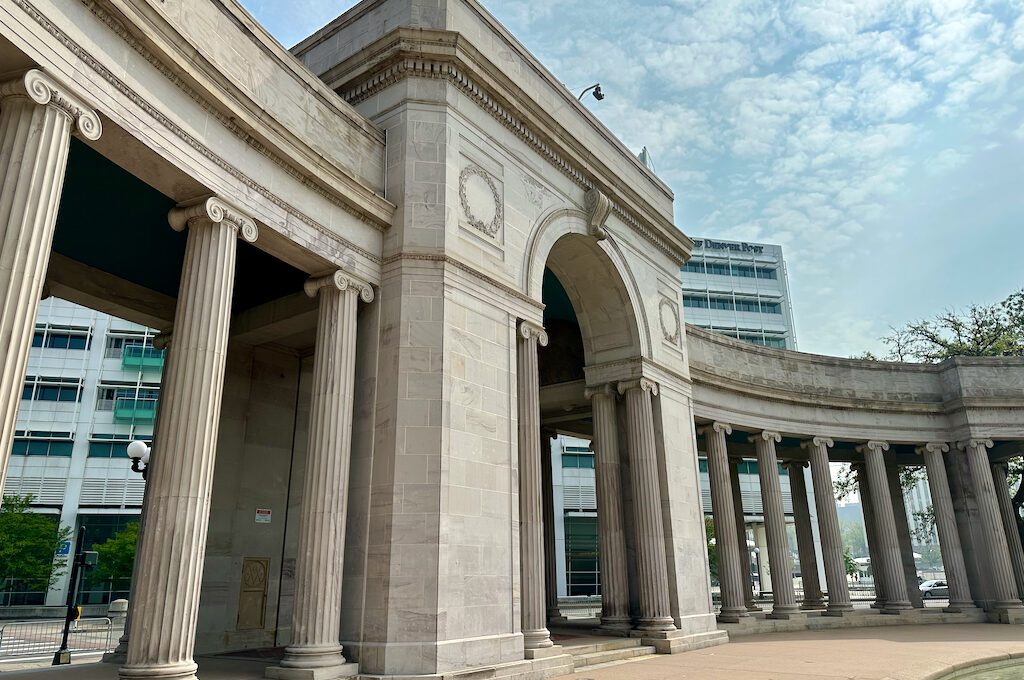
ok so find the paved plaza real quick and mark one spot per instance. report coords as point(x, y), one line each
point(901, 653)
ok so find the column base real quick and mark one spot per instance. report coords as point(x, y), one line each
point(961, 608)
point(732, 615)
point(676, 641)
point(838, 609)
point(115, 657)
point(897, 607)
point(656, 624)
point(345, 670)
point(786, 612)
point(537, 639)
point(616, 624)
point(1006, 613)
point(810, 605)
point(179, 671)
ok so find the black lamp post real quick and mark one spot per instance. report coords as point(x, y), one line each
point(84, 559)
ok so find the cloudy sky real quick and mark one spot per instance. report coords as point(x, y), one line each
point(881, 142)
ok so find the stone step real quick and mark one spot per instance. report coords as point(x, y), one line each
point(603, 645)
point(595, 658)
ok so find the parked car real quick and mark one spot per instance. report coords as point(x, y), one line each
point(934, 589)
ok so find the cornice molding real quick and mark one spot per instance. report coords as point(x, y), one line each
point(41, 88)
point(440, 55)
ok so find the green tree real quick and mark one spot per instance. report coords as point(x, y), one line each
point(29, 542)
point(995, 330)
point(115, 556)
point(709, 530)
point(851, 567)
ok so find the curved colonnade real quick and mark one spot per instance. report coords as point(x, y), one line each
point(959, 419)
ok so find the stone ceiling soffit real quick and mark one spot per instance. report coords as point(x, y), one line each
point(409, 52)
point(182, 62)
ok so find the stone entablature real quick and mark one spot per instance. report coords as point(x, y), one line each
point(854, 399)
point(360, 55)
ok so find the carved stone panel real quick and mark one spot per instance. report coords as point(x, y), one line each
point(252, 597)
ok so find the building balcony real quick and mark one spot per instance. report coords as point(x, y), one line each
point(135, 410)
point(139, 358)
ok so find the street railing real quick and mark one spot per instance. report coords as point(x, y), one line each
point(22, 639)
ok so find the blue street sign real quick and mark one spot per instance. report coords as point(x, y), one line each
point(65, 548)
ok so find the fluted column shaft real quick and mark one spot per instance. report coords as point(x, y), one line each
point(885, 525)
point(1002, 586)
point(871, 532)
point(550, 564)
point(180, 476)
point(319, 565)
point(945, 524)
point(828, 527)
point(723, 508)
point(813, 598)
point(611, 534)
point(1006, 511)
point(36, 119)
point(775, 525)
point(531, 502)
point(741, 535)
point(120, 653)
point(651, 560)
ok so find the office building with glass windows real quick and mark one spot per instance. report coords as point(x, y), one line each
point(741, 290)
point(91, 387)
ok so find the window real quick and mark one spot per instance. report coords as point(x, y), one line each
point(108, 446)
point(42, 443)
point(52, 389)
point(731, 304)
point(582, 570)
point(61, 337)
point(745, 271)
point(578, 460)
point(108, 395)
point(117, 343)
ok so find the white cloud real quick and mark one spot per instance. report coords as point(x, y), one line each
point(944, 161)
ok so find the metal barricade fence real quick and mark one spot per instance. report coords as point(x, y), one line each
point(22, 639)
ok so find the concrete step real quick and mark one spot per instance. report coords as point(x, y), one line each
point(601, 645)
point(595, 658)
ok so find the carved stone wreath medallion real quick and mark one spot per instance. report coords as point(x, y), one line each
point(481, 203)
point(668, 315)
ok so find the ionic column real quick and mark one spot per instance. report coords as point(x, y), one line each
point(1002, 487)
point(180, 476)
point(550, 565)
point(775, 525)
point(871, 533)
point(828, 527)
point(37, 115)
point(885, 525)
point(960, 598)
point(1002, 586)
point(723, 508)
point(651, 560)
point(813, 598)
point(611, 535)
point(531, 502)
point(741, 535)
point(315, 651)
point(899, 512)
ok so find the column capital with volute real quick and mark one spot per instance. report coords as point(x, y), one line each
point(975, 442)
point(645, 384)
point(817, 441)
point(932, 447)
point(608, 389)
point(530, 330)
point(765, 435)
point(340, 280)
point(213, 210)
point(44, 90)
point(719, 427)
point(873, 445)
